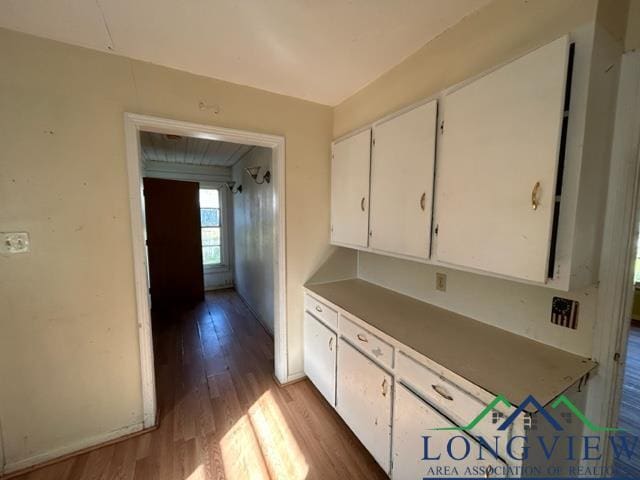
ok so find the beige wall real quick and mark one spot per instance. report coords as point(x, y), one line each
point(69, 365)
point(499, 32)
point(632, 38)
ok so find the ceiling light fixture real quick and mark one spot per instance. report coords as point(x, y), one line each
point(253, 173)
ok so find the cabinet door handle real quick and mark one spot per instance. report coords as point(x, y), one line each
point(362, 338)
point(318, 308)
point(442, 392)
point(423, 201)
point(384, 387)
point(534, 196)
point(331, 344)
point(362, 204)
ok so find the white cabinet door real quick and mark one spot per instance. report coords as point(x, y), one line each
point(402, 167)
point(320, 356)
point(364, 401)
point(413, 420)
point(497, 166)
point(351, 160)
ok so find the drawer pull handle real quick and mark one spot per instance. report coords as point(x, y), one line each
point(331, 344)
point(442, 392)
point(362, 338)
point(384, 387)
point(318, 308)
point(362, 204)
point(423, 199)
point(534, 196)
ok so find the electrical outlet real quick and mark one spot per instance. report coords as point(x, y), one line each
point(441, 282)
point(14, 242)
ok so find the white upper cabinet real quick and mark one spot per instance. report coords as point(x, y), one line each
point(402, 168)
point(497, 166)
point(350, 166)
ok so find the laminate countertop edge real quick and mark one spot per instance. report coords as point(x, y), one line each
point(494, 359)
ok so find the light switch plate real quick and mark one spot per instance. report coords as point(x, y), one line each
point(14, 242)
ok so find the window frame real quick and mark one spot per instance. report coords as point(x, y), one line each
point(223, 266)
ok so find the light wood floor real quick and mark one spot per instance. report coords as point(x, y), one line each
point(221, 413)
point(630, 406)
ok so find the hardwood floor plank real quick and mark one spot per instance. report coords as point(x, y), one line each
point(222, 414)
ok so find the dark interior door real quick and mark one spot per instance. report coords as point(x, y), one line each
point(172, 214)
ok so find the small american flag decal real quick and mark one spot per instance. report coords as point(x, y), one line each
point(564, 312)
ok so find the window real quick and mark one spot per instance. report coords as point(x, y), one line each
point(210, 226)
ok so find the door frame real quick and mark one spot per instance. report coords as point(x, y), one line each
point(133, 124)
point(619, 243)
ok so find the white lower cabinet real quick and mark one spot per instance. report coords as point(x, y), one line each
point(320, 356)
point(364, 401)
point(414, 419)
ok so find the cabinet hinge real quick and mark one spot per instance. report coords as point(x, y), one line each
point(442, 126)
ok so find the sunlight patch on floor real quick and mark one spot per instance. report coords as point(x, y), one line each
point(197, 474)
point(241, 454)
point(261, 446)
point(280, 449)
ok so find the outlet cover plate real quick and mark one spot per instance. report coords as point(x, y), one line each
point(14, 242)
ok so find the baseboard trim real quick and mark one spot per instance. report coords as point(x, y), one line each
point(291, 379)
point(253, 312)
point(22, 467)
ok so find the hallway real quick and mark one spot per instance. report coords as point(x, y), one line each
point(630, 406)
point(222, 415)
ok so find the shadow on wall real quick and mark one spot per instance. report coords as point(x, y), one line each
point(253, 230)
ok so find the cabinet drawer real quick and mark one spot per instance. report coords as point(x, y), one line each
point(450, 399)
point(367, 342)
point(328, 315)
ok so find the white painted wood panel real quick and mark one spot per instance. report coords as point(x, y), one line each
point(402, 169)
point(450, 399)
point(350, 167)
point(501, 138)
point(320, 356)
point(364, 401)
point(367, 342)
point(413, 419)
point(327, 314)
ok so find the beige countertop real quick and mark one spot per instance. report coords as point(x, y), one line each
point(494, 359)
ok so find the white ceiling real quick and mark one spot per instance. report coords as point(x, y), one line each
point(319, 50)
point(158, 147)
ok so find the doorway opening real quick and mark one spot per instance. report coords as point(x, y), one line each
point(188, 184)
